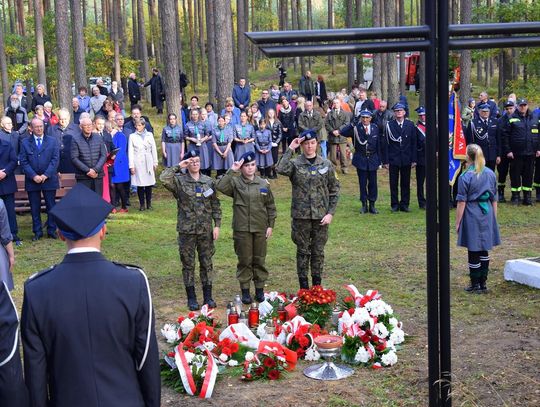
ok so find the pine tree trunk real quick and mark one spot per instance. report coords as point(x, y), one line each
point(384, 58)
point(20, 17)
point(3, 66)
point(170, 55)
point(294, 26)
point(178, 36)
point(84, 11)
point(122, 27)
point(241, 38)
point(300, 26)
point(194, 78)
point(11, 12)
point(234, 47)
point(224, 54)
point(143, 46)
point(40, 45)
point(350, 58)
point(359, 57)
point(376, 85)
point(211, 41)
point(393, 84)
point(200, 7)
point(63, 53)
point(135, 30)
point(465, 62)
point(46, 5)
point(309, 18)
point(331, 60)
point(402, 61)
point(78, 44)
point(116, 26)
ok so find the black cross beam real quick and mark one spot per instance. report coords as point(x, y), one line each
point(436, 38)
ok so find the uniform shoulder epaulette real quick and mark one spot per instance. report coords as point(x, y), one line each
point(128, 266)
point(35, 276)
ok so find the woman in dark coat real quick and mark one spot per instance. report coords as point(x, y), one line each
point(320, 91)
point(157, 91)
point(40, 98)
point(274, 125)
point(286, 117)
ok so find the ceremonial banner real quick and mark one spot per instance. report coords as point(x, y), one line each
point(457, 147)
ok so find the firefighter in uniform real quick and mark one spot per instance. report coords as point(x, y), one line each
point(504, 163)
point(482, 130)
point(421, 156)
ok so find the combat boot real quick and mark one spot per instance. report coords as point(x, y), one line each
point(364, 208)
point(527, 198)
point(483, 287)
point(537, 194)
point(259, 294)
point(474, 287)
point(304, 283)
point(515, 198)
point(502, 199)
point(372, 208)
point(193, 305)
point(207, 293)
point(246, 296)
point(316, 280)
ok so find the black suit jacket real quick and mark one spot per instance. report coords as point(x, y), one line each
point(88, 335)
point(8, 162)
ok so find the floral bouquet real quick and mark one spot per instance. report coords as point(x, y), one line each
point(177, 332)
point(371, 332)
point(315, 304)
point(269, 307)
point(230, 353)
point(298, 335)
point(270, 362)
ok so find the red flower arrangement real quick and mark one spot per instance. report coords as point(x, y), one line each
point(315, 304)
point(303, 339)
point(264, 366)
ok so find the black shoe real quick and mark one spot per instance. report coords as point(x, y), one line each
point(372, 208)
point(246, 296)
point(527, 198)
point(304, 283)
point(422, 206)
point(207, 293)
point(502, 199)
point(537, 194)
point(483, 287)
point(259, 294)
point(192, 303)
point(142, 208)
point(149, 207)
point(316, 280)
point(35, 238)
point(52, 236)
point(395, 208)
point(474, 286)
point(404, 209)
point(515, 198)
point(364, 208)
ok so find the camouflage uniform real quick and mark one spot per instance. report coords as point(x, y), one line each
point(254, 211)
point(197, 205)
point(315, 193)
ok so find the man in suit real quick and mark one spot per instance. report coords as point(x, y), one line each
point(8, 186)
point(335, 120)
point(134, 91)
point(87, 323)
point(363, 103)
point(399, 155)
point(64, 132)
point(39, 157)
point(241, 94)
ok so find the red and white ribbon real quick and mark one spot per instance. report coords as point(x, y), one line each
point(185, 371)
point(359, 299)
point(206, 311)
point(210, 376)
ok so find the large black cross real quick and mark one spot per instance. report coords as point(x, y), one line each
point(436, 38)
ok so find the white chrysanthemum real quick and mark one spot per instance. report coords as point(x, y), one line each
point(170, 333)
point(397, 336)
point(189, 357)
point(379, 307)
point(380, 330)
point(209, 345)
point(390, 344)
point(186, 326)
point(223, 357)
point(233, 363)
point(389, 359)
point(312, 354)
point(250, 356)
point(361, 316)
point(394, 322)
point(362, 356)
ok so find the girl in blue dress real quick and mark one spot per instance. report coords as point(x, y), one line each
point(244, 137)
point(222, 138)
point(196, 133)
point(263, 147)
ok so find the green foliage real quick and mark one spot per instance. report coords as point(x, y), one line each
point(100, 54)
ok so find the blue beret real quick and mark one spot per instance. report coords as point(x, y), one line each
point(190, 154)
point(484, 106)
point(399, 106)
point(247, 157)
point(365, 113)
point(81, 213)
point(420, 110)
point(308, 135)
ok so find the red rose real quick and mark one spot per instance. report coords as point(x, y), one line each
point(191, 314)
point(303, 342)
point(350, 311)
point(348, 299)
point(248, 376)
point(234, 347)
point(171, 354)
point(226, 350)
point(180, 319)
point(381, 347)
point(300, 353)
point(273, 374)
point(269, 362)
point(259, 371)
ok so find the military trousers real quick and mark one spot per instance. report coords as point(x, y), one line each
point(521, 173)
point(310, 237)
point(250, 248)
point(203, 245)
point(342, 156)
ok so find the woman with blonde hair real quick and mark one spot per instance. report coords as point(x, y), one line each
point(476, 217)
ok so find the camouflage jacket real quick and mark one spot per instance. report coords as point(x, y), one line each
point(197, 201)
point(315, 187)
point(254, 209)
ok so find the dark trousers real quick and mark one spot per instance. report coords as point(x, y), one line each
point(491, 165)
point(9, 202)
point(35, 209)
point(502, 169)
point(420, 180)
point(95, 184)
point(401, 175)
point(521, 173)
point(368, 185)
point(145, 192)
point(536, 181)
point(275, 151)
point(120, 193)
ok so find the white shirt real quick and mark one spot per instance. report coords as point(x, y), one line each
point(76, 250)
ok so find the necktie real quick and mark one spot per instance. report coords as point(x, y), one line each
point(39, 143)
point(366, 128)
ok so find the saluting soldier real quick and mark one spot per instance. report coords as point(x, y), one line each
point(482, 130)
point(198, 209)
point(254, 214)
point(88, 323)
point(366, 158)
point(504, 163)
point(315, 193)
point(399, 155)
point(421, 156)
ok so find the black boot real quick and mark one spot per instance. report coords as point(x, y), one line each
point(192, 303)
point(372, 208)
point(483, 287)
point(527, 198)
point(316, 280)
point(537, 194)
point(246, 296)
point(259, 294)
point(502, 199)
point(207, 293)
point(304, 283)
point(515, 198)
point(364, 208)
point(475, 285)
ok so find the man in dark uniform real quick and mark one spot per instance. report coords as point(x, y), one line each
point(315, 194)
point(64, 132)
point(399, 154)
point(504, 163)
point(521, 145)
point(366, 158)
point(198, 206)
point(134, 91)
point(39, 158)
point(13, 392)
point(482, 130)
point(421, 156)
point(157, 90)
point(8, 186)
point(87, 323)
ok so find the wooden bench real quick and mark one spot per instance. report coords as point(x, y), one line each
point(22, 204)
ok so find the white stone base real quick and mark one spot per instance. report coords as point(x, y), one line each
point(523, 271)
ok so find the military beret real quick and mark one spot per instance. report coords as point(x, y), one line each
point(190, 154)
point(247, 157)
point(365, 113)
point(398, 106)
point(420, 110)
point(485, 107)
point(509, 103)
point(81, 213)
point(308, 135)
point(522, 101)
